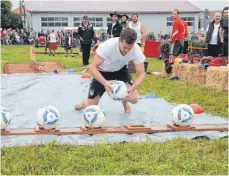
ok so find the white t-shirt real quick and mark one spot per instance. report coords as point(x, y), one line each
point(214, 40)
point(53, 37)
point(113, 59)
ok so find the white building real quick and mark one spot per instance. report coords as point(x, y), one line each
point(155, 15)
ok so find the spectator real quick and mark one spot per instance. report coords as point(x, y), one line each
point(224, 31)
point(46, 41)
point(87, 34)
point(139, 28)
point(177, 38)
point(52, 38)
point(212, 36)
point(124, 23)
point(115, 28)
point(68, 44)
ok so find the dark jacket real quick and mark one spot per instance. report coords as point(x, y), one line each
point(224, 25)
point(116, 29)
point(66, 42)
point(86, 34)
point(210, 31)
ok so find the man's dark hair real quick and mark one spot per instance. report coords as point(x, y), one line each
point(128, 35)
point(135, 14)
point(225, 8)
point(178, 12)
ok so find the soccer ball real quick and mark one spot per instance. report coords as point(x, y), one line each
point(5, 118)
point(48, 117)
point(182, 115)
point(119, 90)
point(93, 116)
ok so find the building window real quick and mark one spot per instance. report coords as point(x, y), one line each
point(109, 21)
point(189, 20)
point(54, 22)
point(94, 21)
point(76, 21)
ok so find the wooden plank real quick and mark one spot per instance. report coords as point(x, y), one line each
point(128, 129)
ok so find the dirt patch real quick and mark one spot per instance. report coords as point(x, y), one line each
point(42, 67)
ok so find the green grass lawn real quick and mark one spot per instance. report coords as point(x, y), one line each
point(178, 156)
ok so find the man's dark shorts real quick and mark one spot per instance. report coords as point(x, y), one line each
point(96, 88)
point(177, 48)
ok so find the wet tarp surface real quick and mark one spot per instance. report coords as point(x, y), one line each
point(24, 94)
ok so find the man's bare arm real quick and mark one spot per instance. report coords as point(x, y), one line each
point(140, 70)
point(93, 68)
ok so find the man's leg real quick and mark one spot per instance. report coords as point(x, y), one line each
point(87, 102)
point(210, 50)
point(225, 48)
point(125, 76)
point(132, 98)
point(66, 52)
point(95, 92)
point(83, 46)
point(177, 48)
point(72, 52)
point(86, 54)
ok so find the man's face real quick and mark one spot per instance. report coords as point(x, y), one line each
point(217, 17)
point(85, 21)
point(115, 18)
point(134, 18)
point(225, 13)
point(124, 18)
point(125, 47)
point(174, 15)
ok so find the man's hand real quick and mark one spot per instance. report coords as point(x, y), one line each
point(108, 86)
point(129, 89)
point(222, 41)
point(112, 36)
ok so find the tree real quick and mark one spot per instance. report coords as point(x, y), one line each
point(16, 21)
point(6, 14)
point(8, 19)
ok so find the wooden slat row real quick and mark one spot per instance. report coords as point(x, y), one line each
point(127, 129)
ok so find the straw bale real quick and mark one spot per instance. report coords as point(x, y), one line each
point(217, 77)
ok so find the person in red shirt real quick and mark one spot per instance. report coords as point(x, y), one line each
point(177, 38)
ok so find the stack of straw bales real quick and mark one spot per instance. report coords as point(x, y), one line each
point(213, 77)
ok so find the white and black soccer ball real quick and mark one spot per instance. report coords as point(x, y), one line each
point(182, 115)
point(5, 118)
point(48, 117)
point(119, 90)
point(93, 116)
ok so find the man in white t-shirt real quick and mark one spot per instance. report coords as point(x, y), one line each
point(212, 36)
point(110, 64)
